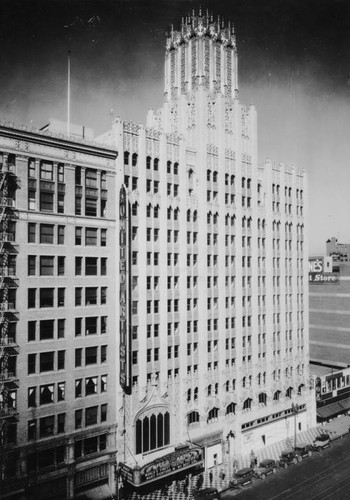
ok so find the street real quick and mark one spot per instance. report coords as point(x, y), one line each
point(325, 475)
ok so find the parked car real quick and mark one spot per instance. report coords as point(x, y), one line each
point(266, 467)
point(322, 441)
point(244, 476)
point(207, 494)
point(304, 450)
point(289, 457)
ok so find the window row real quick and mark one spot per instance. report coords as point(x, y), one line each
point(46, 394)
point(46, 329)
point(93, 266)
point(89, 386)
point(46, 265)
point(90, 416)
point(90, 356)
point(92, 296)
point(46, 362)
point(90, 445)
point(46, 297)
point(91, 236)
point(46, 169)
point(91, 325)
point(47, 233)
point(48, 201)
point(46, 426)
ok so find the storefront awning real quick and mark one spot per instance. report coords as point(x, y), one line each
point(333, 409)
point(102, 492)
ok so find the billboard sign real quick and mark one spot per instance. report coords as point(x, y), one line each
point(321, 271)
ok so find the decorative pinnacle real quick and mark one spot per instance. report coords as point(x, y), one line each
point(199, 25)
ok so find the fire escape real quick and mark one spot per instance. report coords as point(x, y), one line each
point(9, 349)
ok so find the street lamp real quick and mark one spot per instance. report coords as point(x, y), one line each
point(295, 411)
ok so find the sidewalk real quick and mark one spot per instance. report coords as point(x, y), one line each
point(336, 428)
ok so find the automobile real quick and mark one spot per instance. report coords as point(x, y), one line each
point(289, 457)
point(321, 441)
point(244, 476)
point(207, 494)
point(266, 467)
point(303, 450)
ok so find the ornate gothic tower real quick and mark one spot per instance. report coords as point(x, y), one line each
point(203, 53)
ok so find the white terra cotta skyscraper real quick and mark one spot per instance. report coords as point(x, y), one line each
point(213, 265)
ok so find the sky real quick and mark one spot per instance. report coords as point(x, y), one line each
point(294, 66)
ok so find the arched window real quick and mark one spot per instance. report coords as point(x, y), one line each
point(247, 405)
point(153, 432)
point(216, 388)
point(155, 164)
point(289, 392)
point(188, 215)
point(176, 168)
point(227, 385)
point(168, 167)
point(209, 390)
point(195, 394)
point(301, 386)
point(192, 417)
point(231, 409)
point(276, 396)
point(195, 216)
point(189, 395)
point(126, 157)
point(208, 175)
point(215, 177)
point(213, 414)
point(226, 179)
point(232, 180)
point(243, 182)
point(262, 398)
point(249, 183)
point(148, 162)
point(209, 218)
point(134, 160)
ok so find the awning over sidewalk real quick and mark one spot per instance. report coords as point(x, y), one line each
point(333, 409)
point(102, 492)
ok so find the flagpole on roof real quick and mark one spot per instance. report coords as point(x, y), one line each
point(68, 95)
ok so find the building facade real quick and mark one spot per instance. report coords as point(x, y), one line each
point(214, 313)
point(57, 276)
point(339, 251)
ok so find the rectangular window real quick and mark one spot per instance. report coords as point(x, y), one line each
point(46, 171)
point(103, 237)
point(90, 207)
point(104, 326)
point(103, 295)
point(61, 297)
point(31, 232)
point(46, 233)
point(47, 426)
point(78, 419)
point(46, 297)
point(90, 326)
point(60, 265)
point(31, 199)
point(46, 394)
point(90, 236)
point(31, 168)
point(60, 235)
point(31, 331)
point(91, 266)
point(90, 386)
point(46, 265)
point(31, 265)
point(77, 205)
point(31, 363)
point(90, 296)
point(78, 357)
point(61, 360)
point(91, 416)
point(103, 353)
point(60, 203)
point(91, 178)
point(78, 322)
point(90, 356)
point(103, 266)
point(78, 231)
point(60, 328)
point(61, 421)
point(46, 329)
point(60, 173)
point(31, 298)
point(46, 361)
point(46, 201)
point(78, 296)
point(78, 266)
point(104, 412)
